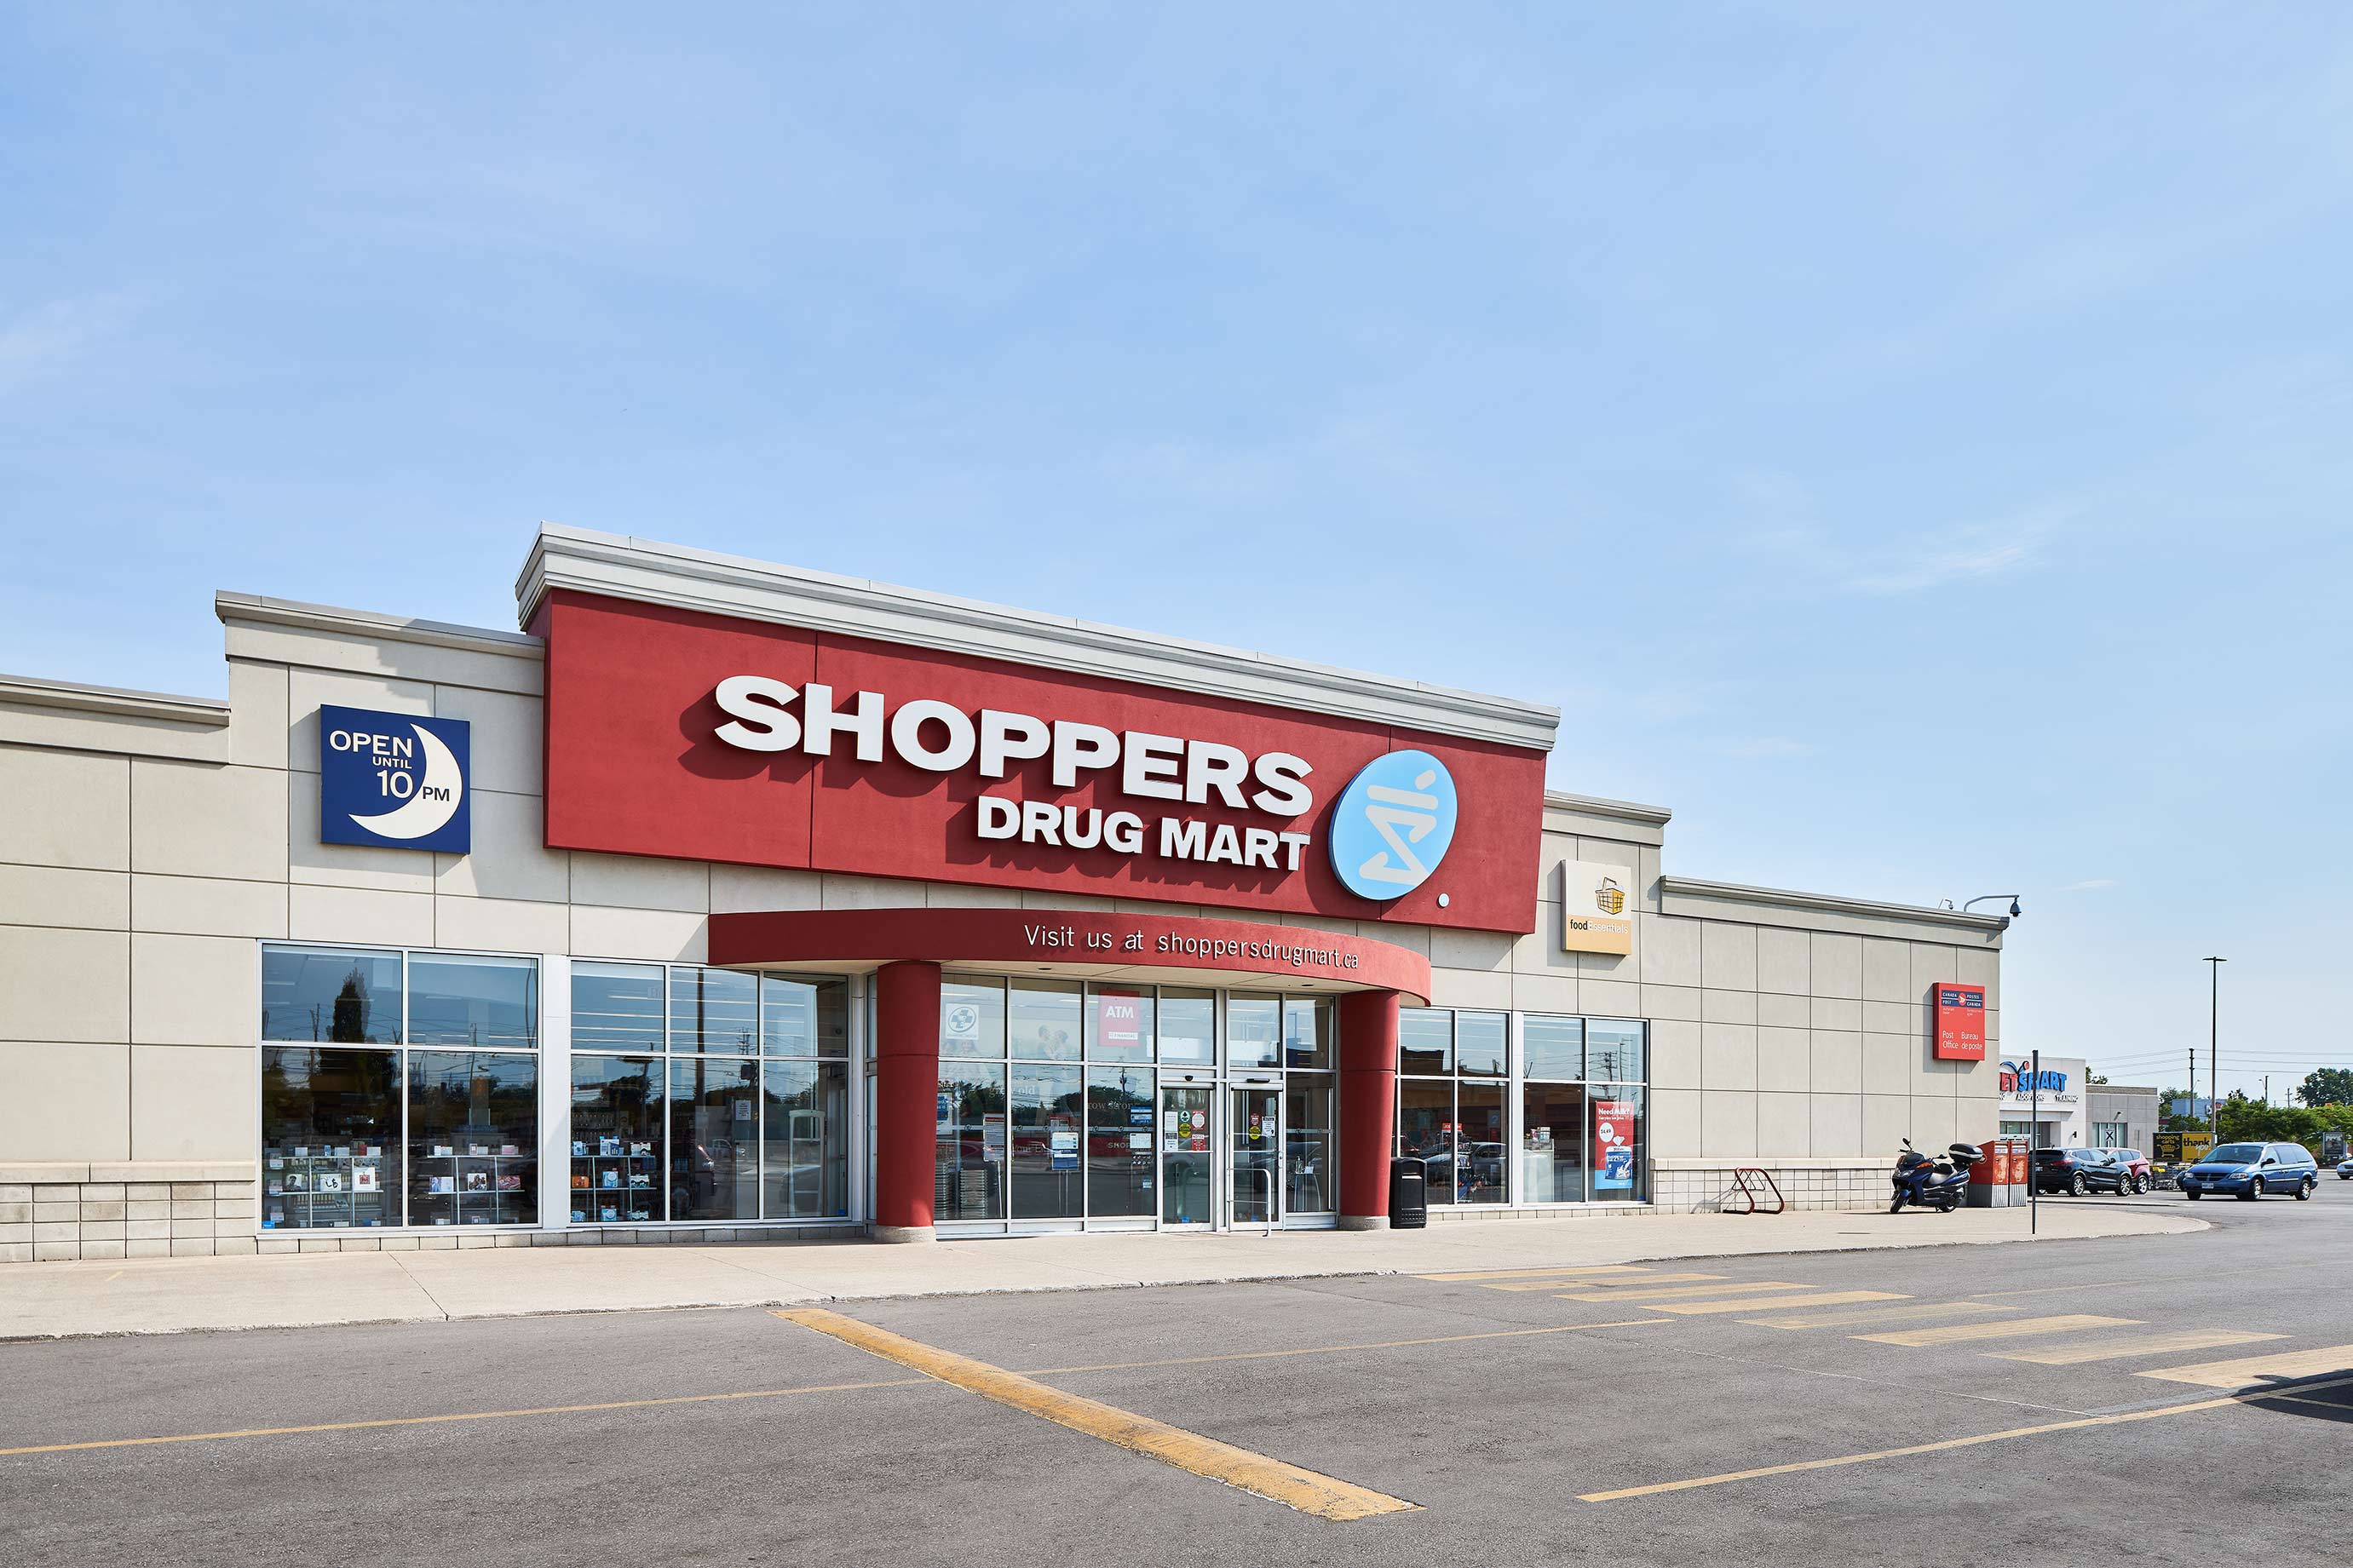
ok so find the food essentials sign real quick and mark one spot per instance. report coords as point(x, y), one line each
point(705, 737)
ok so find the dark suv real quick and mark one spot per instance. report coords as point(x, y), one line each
point(2078, 1171)
point(2135, 1166)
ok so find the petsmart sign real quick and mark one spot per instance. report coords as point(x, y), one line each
point(393, 780)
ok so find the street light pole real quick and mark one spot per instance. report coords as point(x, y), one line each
point(2033, 1141)
point(2214, 1047)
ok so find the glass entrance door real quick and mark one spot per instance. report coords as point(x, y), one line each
point(1188, 1156)
point(1254, 1142)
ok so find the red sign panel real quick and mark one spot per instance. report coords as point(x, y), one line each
point(1960, 1023)
point(846, 754)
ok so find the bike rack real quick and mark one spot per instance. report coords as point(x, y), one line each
point(1744, 1189)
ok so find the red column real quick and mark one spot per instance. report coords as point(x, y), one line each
point(1369, 1055)
point(906, 1098)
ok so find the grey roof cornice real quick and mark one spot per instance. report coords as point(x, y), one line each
point(626, 568)
point(1826, 903)
point(203, 712)
point(255, 609)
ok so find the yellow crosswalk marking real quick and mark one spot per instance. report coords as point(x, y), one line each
point(1629, 1282)
point(1474, 1275)
point(2249, 1371)
point(2139, 1344)
point(1877, 1315)
point(1763, 1303)
point(2014, 1328)
point(1666, 1287)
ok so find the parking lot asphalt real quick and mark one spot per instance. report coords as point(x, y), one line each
point(1987, 1404)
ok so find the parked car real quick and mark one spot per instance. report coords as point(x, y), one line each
point(2345, 1170)
point(2251, 1170)
point(2137, 1166)
point(2078, 1171)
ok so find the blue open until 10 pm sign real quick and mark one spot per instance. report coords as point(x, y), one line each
point(393, 780)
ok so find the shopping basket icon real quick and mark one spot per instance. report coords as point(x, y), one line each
point(1609, 897)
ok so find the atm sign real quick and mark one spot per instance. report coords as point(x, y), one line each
point(1960, 1024)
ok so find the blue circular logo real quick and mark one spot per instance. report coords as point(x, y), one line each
point(1393, 824)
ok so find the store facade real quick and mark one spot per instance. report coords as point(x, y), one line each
point(2043, 1099)
point(730, 900)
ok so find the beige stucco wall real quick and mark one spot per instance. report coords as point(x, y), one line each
point(144, 849)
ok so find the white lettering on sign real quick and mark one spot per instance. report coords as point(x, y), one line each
point(769, 715)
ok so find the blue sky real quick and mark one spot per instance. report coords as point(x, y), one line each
point(1913, 446)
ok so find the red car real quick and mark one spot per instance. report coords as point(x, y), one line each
point(2137, 1167)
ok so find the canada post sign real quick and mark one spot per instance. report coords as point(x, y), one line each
point(393, 780)
point(1960, 1023)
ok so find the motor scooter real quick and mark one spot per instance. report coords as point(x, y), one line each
point(1933, 1180)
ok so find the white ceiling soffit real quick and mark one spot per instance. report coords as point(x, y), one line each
point(672, 575)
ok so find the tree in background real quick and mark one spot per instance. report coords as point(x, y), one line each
point(2327, 1086)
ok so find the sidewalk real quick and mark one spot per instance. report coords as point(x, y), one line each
point(39, 1300)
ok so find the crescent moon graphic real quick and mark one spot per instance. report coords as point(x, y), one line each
point(435, 802)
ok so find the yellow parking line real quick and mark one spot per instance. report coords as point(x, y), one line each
point(1324, 1495)
point(2139, 1344)
point(1478, 1274)
point(1576, 1283)
point(1876, 1315)
point(1766, 1303)
point(2012, 1327)
point(464, 1415)
point(1944, 1444)
point(1645, 1291)
point(2256, 1368)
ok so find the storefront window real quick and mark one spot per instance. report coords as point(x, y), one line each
point(1119, 1024)
point(1044, 1023)
point(485, 1004)
point(972, 1020)
point(715, 1010)
point(1621, 1139)
point(688, 1125)
point(1254, 1031)
point(1478, 1143)
point(1613, 1052)
point(804, 1146)
point(1479, 1044)
point(1307, 1032)
point(1188, 1027)
point(616, 1006)
point(330, 1138)
point(334, 1154)
point(1308, 1188)
point(616, 1132)
point(1047, 1119)
point(1552, 1143)
point(1425, 1040)
point(1426, 1131)
point(714, 1138)
point(804, 1017)
point(473, 1138)
point(1554, 1048)
point(969, 1172)
point(331, 996)
point(1120, 1157)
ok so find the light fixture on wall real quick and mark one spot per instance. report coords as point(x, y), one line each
point(2016, 910)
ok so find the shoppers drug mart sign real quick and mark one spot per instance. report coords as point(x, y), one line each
point(708, 737)
point(393, 780)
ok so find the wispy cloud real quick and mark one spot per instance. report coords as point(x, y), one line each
point(1979, 550)
point(36, 341)
point(2088, 885)
point(1780, 521)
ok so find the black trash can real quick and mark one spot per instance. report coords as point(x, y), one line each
point(1408, 1197)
